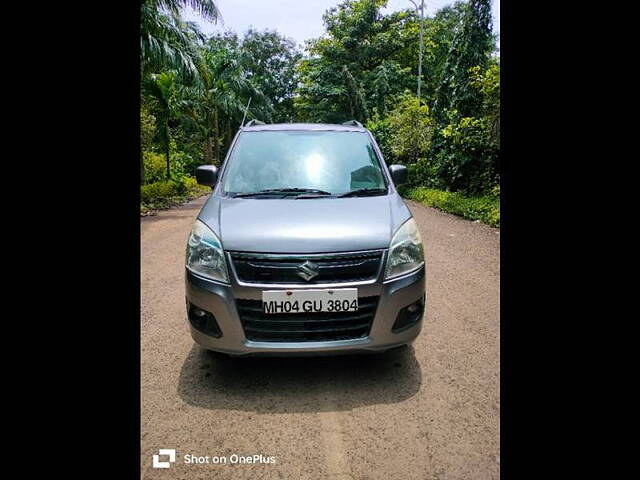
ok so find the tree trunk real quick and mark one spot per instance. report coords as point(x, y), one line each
point(216, 138)
point(208, 151)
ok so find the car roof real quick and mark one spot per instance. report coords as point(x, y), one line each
point(303, 126)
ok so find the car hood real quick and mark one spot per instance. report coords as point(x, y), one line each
point(314, 225)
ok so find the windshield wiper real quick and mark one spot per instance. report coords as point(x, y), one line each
point(283, 191)
point(363, 192)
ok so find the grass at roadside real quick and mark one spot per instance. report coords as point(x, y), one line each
point(485, 208)
point(163, 195)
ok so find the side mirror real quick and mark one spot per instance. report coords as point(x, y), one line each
point(207, 175)
point(398, 173)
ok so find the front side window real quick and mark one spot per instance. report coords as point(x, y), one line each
point(329, 161)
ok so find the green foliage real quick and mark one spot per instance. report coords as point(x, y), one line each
point(404, 136)
point(470, 47)
point(166, 40)
point(488, 84)
point(379, 51)
point(411, 128)
point(484, 208)
point(468, 157)
point(355, 95)
point(156, 191)
point(467, 149)
point(439, 32)
point(184, 163)
point(161, 91)
point(167, 193)
point(154, 167)
point(270, 61)
point(358, 65)
point(424, 173)
point(147, 128)
point(466, 141)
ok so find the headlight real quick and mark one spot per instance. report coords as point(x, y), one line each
point(405, 251)
point(205, 256)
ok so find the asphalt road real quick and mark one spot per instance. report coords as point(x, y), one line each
point(429, 412)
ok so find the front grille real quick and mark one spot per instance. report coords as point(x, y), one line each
point(307, 327)
point(332, 268)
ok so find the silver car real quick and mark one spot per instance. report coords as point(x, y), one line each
point(304, 246)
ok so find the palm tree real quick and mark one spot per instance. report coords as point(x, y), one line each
point(222, 93)
point(166, 40)
point(161, 88)
point(206, 8)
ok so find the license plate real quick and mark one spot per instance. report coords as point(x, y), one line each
point(310, 301)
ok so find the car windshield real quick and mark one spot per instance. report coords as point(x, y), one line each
point(319, 162)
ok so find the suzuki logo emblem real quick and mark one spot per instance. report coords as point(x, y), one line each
point(308, 270)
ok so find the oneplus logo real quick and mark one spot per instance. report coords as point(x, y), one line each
point(164, 451)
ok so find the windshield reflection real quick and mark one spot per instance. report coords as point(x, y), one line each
point(333, 161)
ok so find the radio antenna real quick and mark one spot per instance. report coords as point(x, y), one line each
point(245, 112)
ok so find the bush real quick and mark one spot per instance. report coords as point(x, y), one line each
point(166, 193)
point(191, 185)
point(154, 192)
point(485, 208)
point(466, 149)
point(191, 160)
point(155, 167)
point(411, 128)
point(467, 158)
point(404, 135)
point(180, 163)
point(423, 174)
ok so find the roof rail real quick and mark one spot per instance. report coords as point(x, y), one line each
point(250, 123)
point(354, 123)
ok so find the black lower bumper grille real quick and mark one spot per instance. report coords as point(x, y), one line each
point(308, 327)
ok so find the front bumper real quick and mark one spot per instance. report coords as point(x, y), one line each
point(219, 299)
